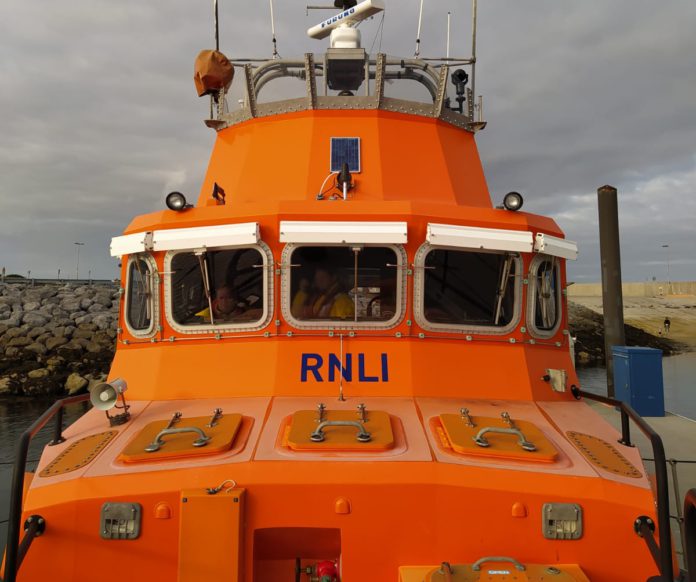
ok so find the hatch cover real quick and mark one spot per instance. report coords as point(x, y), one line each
point(460, 437)
point(181, 445)
point(342, 436)
point(78, 454)
point(493, 569)
point(603, 454)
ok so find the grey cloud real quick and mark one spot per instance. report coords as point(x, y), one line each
point(100, 117)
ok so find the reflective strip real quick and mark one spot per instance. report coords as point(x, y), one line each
point(343, 232)
point(556, 247)
point(226, 235)
point(129, 244)
point(469, 237)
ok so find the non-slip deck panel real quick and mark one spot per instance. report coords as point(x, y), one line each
point(603, 454)
point(78, 454)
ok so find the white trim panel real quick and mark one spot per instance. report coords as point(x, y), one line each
point(226, 235)
point(129, 244)
point(470, 237)
point(557, 247)
point(344, 232)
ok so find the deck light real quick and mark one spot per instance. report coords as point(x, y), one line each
point(177, 201)
point(513, 201)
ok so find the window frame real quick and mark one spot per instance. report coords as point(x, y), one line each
point(286, 290)
point(419, 294)
point(227, 327)
point(149, 331)
point(531, 296)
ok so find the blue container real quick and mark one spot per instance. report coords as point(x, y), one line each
point(638, 379)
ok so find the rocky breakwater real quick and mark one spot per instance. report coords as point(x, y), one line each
point(55, 338)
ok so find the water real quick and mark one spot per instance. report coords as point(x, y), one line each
point(679, 374)
point(17, 415)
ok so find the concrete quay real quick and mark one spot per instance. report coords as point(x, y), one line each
point(679, 438)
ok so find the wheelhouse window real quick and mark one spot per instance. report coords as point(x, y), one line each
point(344, 285)
point(218, 288)
point(140, 295)
point(545, 279)
point(468, 289)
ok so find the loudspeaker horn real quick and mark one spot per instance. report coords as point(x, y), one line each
point(104, 395)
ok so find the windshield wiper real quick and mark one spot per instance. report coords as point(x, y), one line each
point(502, 287)
point(203, 264)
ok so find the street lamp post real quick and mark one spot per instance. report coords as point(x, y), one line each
point(77, 267)
point(668, 279)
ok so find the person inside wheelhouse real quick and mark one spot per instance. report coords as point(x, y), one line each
point(343, 283)
point(217, 287)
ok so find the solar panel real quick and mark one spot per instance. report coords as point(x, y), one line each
point(345, 150)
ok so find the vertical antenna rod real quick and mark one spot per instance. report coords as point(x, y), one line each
point(420, 22)
point(474, 9)
point(217, 30)
point(449, 22)
point(275, 45)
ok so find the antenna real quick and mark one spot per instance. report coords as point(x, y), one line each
point(474, 8)
point(449, 22)
point(275, 44)
point(420, 22)
point(217, 30)
point(348, 18)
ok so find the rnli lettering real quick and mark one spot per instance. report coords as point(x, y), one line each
point(330, 368)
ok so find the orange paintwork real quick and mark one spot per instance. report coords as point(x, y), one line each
point(414, 504)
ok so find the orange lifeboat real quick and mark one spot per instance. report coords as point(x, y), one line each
point(342, 363)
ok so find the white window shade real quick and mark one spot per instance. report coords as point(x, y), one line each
point(469, 237)
point(344, 232)
point(226, 235)
point(556, 247)
point(129, 244)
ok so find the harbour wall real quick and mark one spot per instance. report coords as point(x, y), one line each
point(640, 289)
point(55, 337)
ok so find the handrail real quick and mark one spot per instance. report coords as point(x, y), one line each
point(690, 534)
point(12, 554)
point(664, 558)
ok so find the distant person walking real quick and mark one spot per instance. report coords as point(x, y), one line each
point(667, 324)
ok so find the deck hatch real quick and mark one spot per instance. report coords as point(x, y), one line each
point(345, 150)
point(342, 436)
point(457, 433)
point(181, 445)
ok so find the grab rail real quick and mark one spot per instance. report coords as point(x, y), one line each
point(662, 553)
point(13, 555)
point(690, 533)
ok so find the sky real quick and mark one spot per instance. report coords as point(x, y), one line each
point(99, 118)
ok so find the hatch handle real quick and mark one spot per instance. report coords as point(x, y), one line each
point(201, 441)
point(363, 436)
point(481, 440)
point(477, 564)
